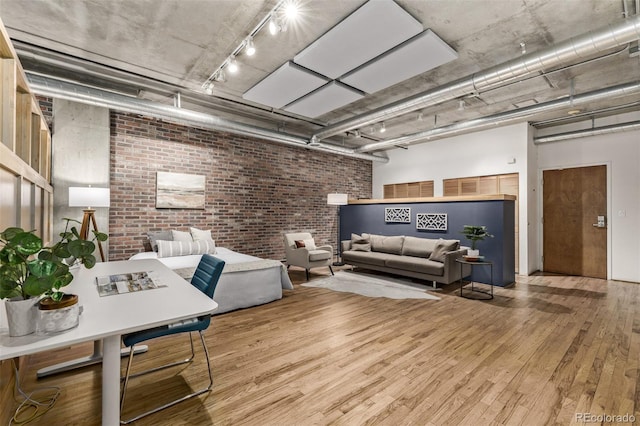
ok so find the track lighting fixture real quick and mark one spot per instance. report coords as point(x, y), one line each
point(276, 21)
point(208, 88)
point(291, 10)
point(523, 47)
point(220, 76)
point(461, 105)
point(274, 25)
point(249, 48)
point(382, 128)
point(420, 116)
point(232, 64)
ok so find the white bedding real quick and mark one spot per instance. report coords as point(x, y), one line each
point(236, 288)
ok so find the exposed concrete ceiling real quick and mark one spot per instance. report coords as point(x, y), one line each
point(155, 48)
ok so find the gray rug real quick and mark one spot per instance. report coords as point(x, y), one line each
point(372, 286)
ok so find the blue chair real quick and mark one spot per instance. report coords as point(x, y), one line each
point(204, 279)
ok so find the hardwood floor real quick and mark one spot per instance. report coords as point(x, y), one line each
point(539, 353)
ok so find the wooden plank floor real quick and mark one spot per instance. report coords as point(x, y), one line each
point(540, 352)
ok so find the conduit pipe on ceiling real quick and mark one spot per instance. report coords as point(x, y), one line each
point(613, 128)
point(573, 49)
point(507, 116)
point(54, 88)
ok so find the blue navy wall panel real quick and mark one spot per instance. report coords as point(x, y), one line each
point(497, 215)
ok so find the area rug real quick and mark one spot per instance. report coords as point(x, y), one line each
point(372, 286)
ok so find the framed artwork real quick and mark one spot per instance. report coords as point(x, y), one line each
point(397, 214)
point(179, 191)
point(431, 221)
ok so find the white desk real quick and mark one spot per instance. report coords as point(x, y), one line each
point(107, 318)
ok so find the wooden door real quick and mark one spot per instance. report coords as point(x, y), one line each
point(572, 201)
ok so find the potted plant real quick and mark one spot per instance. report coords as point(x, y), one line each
point(32, 274)
point(474, 234)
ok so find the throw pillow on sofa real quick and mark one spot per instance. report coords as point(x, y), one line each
point(441, 249)
point(358, 243)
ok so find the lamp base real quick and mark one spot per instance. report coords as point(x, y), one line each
point(338, 263)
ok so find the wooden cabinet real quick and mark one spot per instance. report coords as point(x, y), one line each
point(409, 190)
point(486, 185)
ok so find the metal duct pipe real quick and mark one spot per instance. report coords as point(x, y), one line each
point(507, 116)
point(47, 86)
point(562, 53)
point(614, 128)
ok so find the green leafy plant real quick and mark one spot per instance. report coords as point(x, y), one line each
point(475, 234)
point(28, 269)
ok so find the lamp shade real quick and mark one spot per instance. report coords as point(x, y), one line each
point(337, 199)
point(89, 197)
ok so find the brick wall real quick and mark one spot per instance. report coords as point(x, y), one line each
point(46, 106)
point(255, 190)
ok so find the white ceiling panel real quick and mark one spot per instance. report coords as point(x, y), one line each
point(284, 85)
point(420, 54)
point(327, 98)
point(371, 30)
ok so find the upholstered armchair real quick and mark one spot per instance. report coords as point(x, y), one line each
point(301, 251)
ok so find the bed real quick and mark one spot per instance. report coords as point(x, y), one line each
point(246, 280)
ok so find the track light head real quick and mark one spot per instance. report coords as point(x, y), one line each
point(461, 105)
point(232, 65)
point(208, 88)
point(274, 25)
point(382, 127)
point(249, 47)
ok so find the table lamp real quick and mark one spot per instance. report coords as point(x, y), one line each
point(89, 198)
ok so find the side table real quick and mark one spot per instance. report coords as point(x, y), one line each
point(473, 289)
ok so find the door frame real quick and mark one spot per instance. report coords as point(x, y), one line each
point(540, 244)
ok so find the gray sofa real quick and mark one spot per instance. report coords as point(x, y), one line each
point(423, 258)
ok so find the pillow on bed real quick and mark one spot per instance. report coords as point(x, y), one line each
point(154, 236)
point(180, 235)
point(200, 235)
point(185, 248)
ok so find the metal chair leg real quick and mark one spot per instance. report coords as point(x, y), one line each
point(174, 402)
point(331, 269)
point(307, 272)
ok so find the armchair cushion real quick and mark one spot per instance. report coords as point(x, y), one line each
point(316, 255)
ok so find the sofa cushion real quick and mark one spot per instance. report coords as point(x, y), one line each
point(316, 255)
point(416, 264)
point(442, 247)
point(371, 258)
point(418, 247)
point(383, 244)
